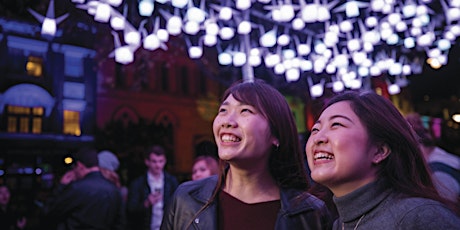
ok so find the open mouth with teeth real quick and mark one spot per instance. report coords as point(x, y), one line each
point(230, 138)
point(323, 156)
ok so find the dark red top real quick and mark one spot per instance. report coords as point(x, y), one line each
point(235, 214)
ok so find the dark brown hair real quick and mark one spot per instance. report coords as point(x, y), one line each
point(286, 163)
point(87, 156)
point(154, 149)
point(405, 168)
point(210, 161)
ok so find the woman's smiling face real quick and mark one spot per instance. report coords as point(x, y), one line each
point(338, 150)
point(242, 132)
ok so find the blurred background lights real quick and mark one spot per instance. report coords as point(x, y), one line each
point(394, 89)
point(456, 117)
point(317, 90)
point(68, 160)
point(38, 171)
point(378, 38)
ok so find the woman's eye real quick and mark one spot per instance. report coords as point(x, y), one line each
point(246, 110)
point(336, 124)
point(222, 110)
point(314, 129)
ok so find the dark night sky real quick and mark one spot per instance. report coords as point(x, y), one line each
point(438, 84)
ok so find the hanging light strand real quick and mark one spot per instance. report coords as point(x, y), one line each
point(346, 40)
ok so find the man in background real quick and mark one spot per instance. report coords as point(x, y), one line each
point(84, 199)
point(149, 193)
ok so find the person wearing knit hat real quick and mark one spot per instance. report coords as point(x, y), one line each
point(108, 160)
point(109, 164)
point(84, 198)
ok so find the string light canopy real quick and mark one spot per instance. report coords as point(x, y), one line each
point(49, 22)
point(346, 43)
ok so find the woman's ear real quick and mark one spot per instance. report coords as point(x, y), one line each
point(276, 142)
point(383, 151)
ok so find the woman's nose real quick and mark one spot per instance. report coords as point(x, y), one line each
point(229, 124)
point(229, 121)
point(319, 138)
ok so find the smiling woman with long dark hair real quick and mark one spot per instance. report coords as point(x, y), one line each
point(263, 181)
point(365, 152)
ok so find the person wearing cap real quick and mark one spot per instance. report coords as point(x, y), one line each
point(84, 198)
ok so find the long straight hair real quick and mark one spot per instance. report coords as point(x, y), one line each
point(405, 168)
point(286, 162)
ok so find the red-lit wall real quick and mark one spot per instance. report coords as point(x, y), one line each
point(189, 113)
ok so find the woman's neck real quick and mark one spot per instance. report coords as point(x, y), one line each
point(251, 187)
point(346, 188)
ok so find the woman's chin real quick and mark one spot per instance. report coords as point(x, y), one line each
point(321, 177)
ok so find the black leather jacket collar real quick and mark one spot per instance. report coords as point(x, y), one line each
point(299, 210)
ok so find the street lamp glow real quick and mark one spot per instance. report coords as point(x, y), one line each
point(456, 117)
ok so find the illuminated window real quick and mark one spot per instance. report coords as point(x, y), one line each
point(37, 125)
point(72, 123)
point(34, 66)
point(12, 124)
point(24, 125)
point(24, 119)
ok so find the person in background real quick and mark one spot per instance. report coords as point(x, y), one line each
point(445, 166)
point(149, 193)
point(263, 184)
point(365, 152)
point(84, 198)
point(204, 166)
point(9, 218)
point(109, 164)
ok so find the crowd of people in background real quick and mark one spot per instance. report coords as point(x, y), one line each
point(369, 167)
point(10, 218)
point(84, 198)
point(445, 166)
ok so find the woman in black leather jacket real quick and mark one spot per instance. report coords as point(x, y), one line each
point(263, 182)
